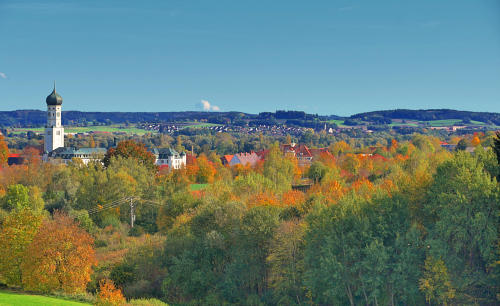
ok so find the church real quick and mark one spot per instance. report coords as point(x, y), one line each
point(56, 152)
point(54, 149)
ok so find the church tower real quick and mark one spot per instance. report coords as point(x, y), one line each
point(54, 131)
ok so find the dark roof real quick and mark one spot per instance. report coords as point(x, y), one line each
point(54, 98)
point(162, 153)
point(70, 151)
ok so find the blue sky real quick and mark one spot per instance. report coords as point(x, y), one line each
point(326, 57)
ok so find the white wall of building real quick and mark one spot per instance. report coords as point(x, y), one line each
point(54, 131)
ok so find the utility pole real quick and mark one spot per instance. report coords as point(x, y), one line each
point(132, 212)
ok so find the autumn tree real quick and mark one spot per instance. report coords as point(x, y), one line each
point(131, 149)
point(17, 231)
point(206, 170)
point(60, 257)
point(339, 148)
point(475, 141)
point(4, 151)
point(109, 295)
point(435, 283)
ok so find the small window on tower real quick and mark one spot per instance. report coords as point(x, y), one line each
point(58, 133)
point(58, 114)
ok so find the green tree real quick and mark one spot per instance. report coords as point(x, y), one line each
point(317, 171)
point(278, 169)
point(461, 145)
point(17, 197)
point(286, 263)
point(496, 147)
point(462, 221)
point(361, 251)
point(436, 283)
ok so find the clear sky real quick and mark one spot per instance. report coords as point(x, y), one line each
point(326, 57)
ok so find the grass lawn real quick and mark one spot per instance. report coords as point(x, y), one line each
point(450, 122)
point(195, 187)
point(86, 129)
point(10, 298)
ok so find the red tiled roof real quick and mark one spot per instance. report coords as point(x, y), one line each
point(226, 159)
point(14, 155)
point(248, 158)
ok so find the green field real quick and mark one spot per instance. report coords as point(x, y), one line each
point(10, 298)
point(403, 124)
point(450, 122)
point(337, 122)
point(86, 129)
point(195, 187)
point(201, 125)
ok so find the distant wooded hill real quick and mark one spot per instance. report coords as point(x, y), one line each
point(37, 118)
point(428, 115)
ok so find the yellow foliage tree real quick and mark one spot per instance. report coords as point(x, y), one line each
point(16, 233)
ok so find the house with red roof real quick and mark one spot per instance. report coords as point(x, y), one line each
point(226, 159)
point(15, 159)
point(245, 159)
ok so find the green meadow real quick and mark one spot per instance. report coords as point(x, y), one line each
point(10, 298)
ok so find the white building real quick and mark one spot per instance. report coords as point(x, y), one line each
point(54, 131)
point(169, 157)
point(66, 155)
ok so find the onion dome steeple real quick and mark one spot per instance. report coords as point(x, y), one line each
point(54, 98)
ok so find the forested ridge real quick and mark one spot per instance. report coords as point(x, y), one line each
point(37, 118)
point(401, 223)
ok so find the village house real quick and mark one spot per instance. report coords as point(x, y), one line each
point(169, 157)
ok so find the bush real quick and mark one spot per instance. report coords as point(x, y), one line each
point(148, 302)
point(136, 231)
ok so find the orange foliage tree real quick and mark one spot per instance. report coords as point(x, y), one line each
point(206, 170)
point(475, 141)
point(293, 198)
point(262, 199)
point(109, 294)
point(60, 257)
point(131, 149)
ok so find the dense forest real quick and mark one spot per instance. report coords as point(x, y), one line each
point(383, 221)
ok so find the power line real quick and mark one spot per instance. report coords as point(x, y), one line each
point(106, 206)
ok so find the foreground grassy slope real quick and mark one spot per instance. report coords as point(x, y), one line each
point(10, 298)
